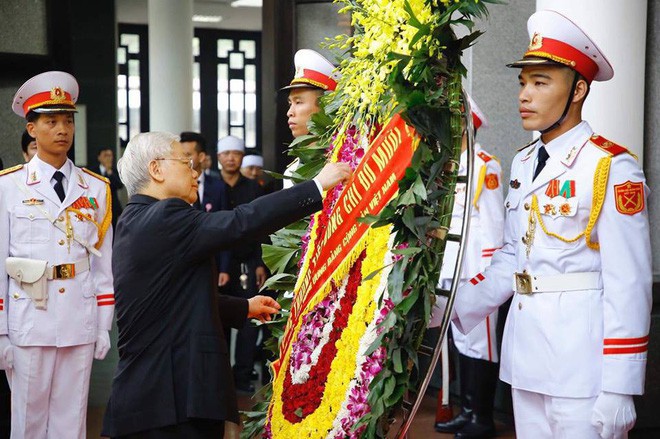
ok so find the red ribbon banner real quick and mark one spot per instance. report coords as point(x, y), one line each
point(373, 185)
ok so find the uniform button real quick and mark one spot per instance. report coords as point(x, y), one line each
point(508, 204)
point(60, 219)
point(526, 206)
point(62, 290)
point(16, 296)
point(519, 305)
point(31, 216)
point(60, 242)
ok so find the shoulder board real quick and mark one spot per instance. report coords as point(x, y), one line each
point(484, 156)
point(608, 146)
point(94, 174)
point(10, 170)
point(528, 144)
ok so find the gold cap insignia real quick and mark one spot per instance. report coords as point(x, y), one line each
point(57, 94)
point(536, 42)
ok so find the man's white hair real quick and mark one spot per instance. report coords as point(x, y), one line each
point(133, 167)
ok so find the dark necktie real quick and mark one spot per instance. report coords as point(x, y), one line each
point(58, 186)
point(541, 159)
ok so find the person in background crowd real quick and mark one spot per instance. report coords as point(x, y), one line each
point(207, 165)
point(28, 146)
point(105, 166)
point(247, 271)
point(252, 167)
point(576, 338)
point(174, 379)
point(56, 299)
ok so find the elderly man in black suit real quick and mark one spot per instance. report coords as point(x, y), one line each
point(174, 378)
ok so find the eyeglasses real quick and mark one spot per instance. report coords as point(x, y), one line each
point(188, 162)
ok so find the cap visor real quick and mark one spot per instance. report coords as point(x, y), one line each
point(533, 62)
point(55, 110)
point(292, 86)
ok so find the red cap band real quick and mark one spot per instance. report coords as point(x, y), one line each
point(317, 79)
point(47, 98)
point(566, 54)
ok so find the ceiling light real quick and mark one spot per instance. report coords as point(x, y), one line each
point(206, 18)
point(247, 3)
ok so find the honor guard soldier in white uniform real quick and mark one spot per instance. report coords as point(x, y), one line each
point(576, 254)
point(314, 76)
point(56, 300)
point(478, 356)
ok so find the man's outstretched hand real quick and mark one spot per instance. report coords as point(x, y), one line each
point(332, 174)
point(261, 308)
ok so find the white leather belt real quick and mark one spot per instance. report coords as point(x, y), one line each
point(526, 283)
point(67, 271)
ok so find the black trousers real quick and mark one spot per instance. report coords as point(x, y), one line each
point(193, 429)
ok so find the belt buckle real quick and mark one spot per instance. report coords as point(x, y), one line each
point(64, 271)
point(523, 283)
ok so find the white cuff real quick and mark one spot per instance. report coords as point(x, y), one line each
point(318, 186)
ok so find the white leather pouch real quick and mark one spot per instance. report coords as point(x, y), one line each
point(31, 277)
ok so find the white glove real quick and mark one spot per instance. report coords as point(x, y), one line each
point(102, 344)
point(613, 415)
point(6, 353)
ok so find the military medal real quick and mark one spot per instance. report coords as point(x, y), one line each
point(32, 202)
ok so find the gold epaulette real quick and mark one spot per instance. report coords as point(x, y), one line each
point(10, 170)
point(528, 144)
point(608, 146)
point(94, 174)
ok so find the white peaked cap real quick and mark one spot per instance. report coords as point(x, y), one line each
point(48, 92)
point(556, 39)
point(313, 70)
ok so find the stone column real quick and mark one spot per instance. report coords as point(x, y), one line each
point(170, 65)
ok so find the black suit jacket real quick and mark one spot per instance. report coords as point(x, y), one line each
point(215, 198)
point(173, 357)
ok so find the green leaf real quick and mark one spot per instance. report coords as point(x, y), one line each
point(396, 361)
point(280, 281)
point(277, 258)
point(410, 251)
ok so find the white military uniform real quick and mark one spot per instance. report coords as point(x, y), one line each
point(54, 347)
point(486, 230)
point(584, 329)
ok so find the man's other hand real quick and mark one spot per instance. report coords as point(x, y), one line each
point(223, 279)
point(332, 174)
point(261, 276)
point(261, 308)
